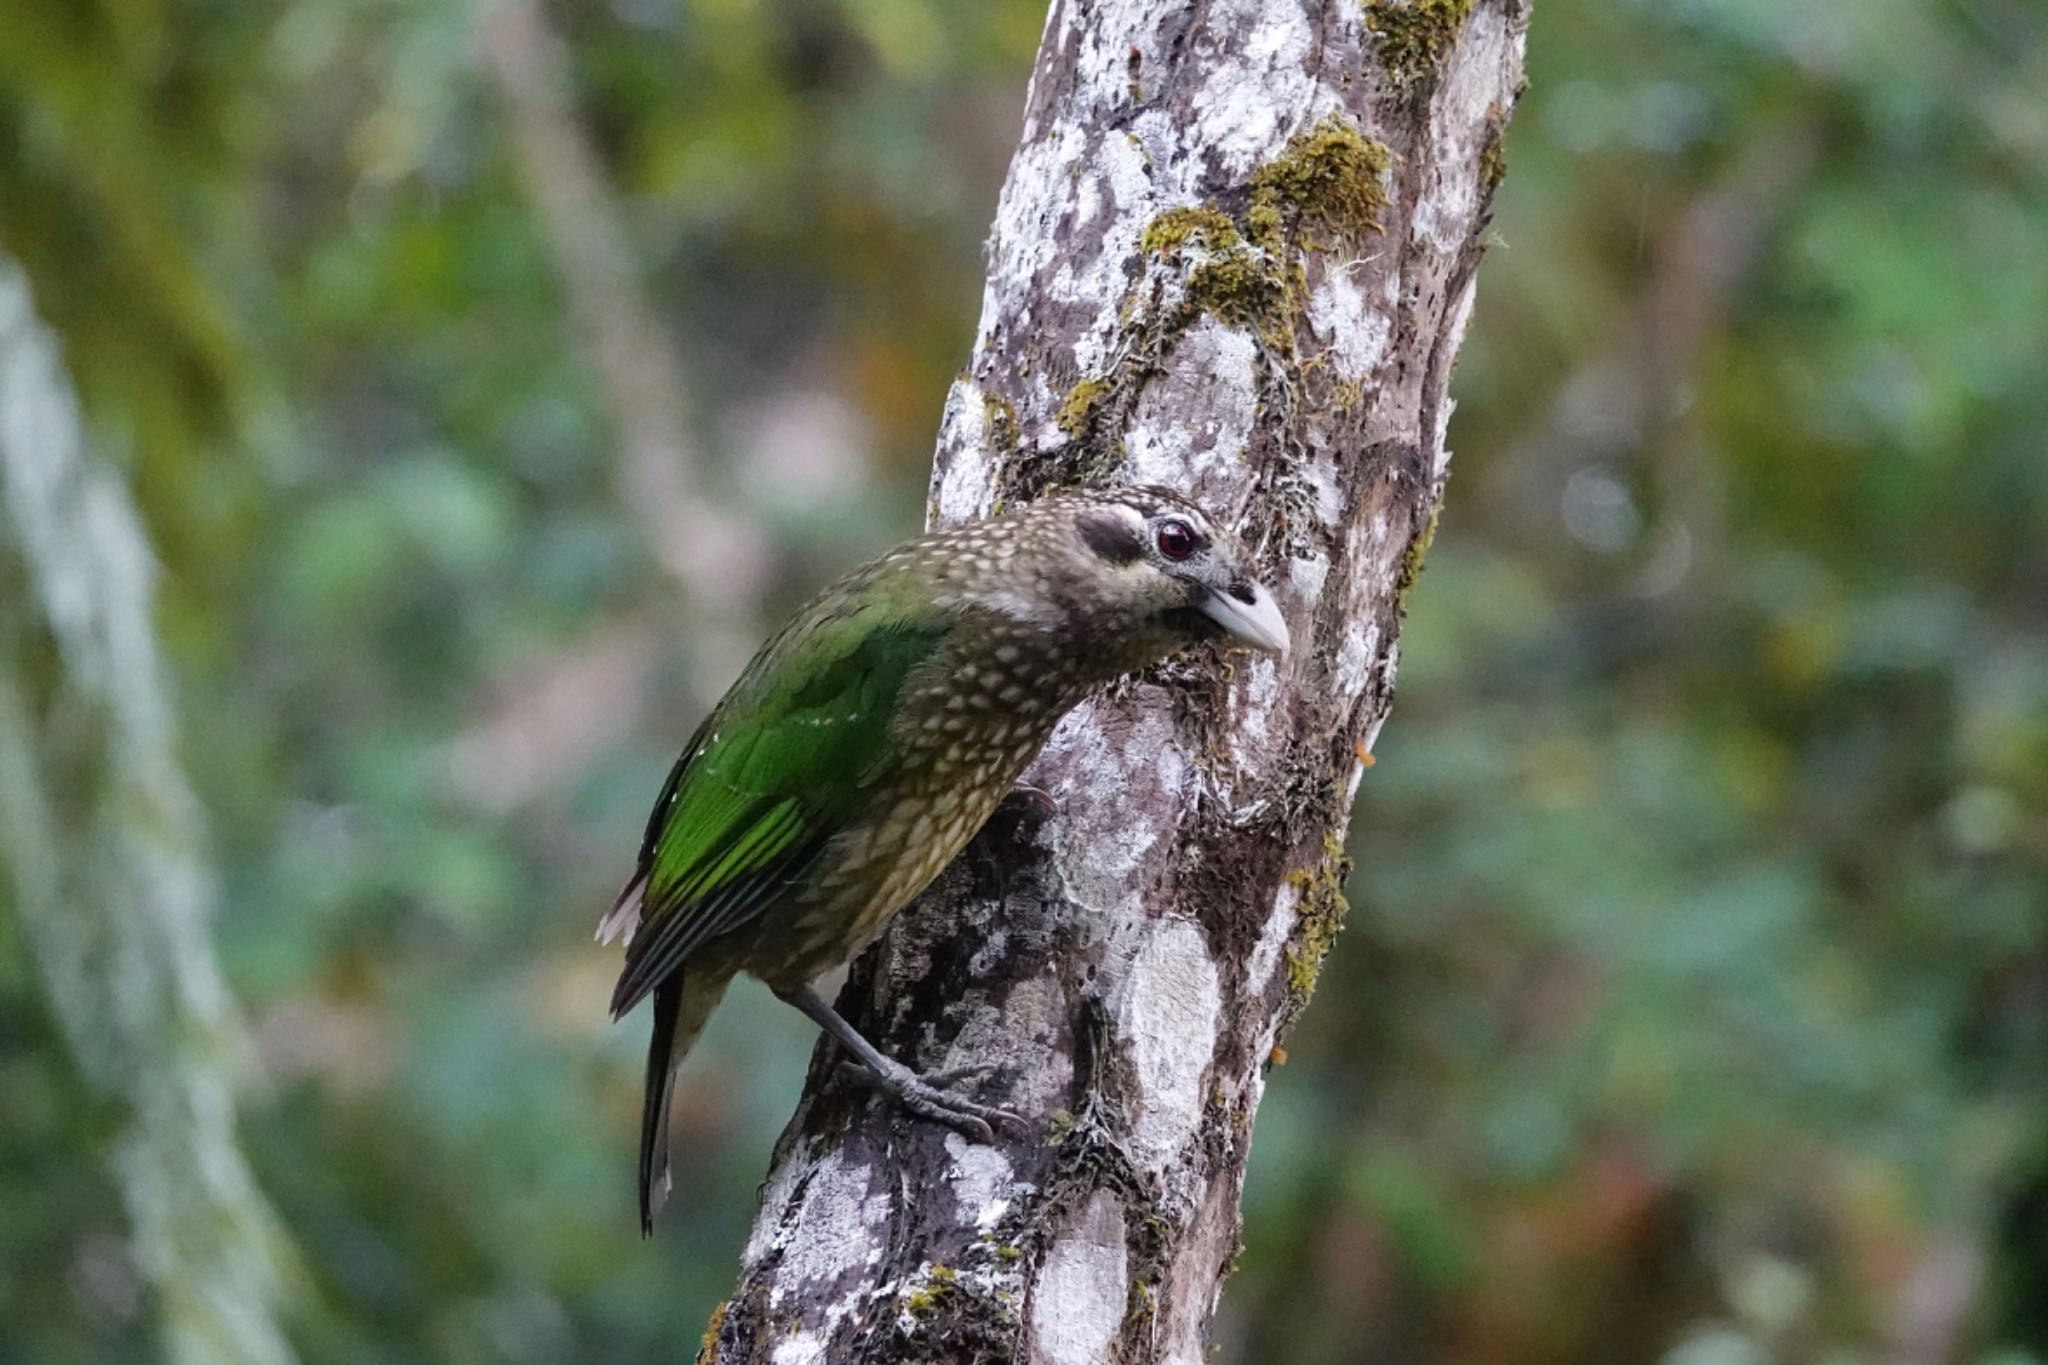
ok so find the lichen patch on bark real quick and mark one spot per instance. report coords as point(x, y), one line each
point(1109, 860)
point(1166, 1015)
point(970, 484)
point(1082, 1285)
point(831, 1233)
point(1191, 426)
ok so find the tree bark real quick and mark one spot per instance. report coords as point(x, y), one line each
point(1234, 255)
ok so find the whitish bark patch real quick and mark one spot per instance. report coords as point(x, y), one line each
point(1079, 1303)
point(1167, 1017)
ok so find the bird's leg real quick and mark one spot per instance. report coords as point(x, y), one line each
point(905, 1086)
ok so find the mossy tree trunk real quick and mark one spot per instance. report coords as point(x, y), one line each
point(1235, 255)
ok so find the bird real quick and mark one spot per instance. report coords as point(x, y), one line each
point(870, 738)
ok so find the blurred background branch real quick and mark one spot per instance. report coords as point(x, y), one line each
point(712, 550)
point(109, 875)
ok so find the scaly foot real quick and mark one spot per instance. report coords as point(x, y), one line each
point(914, 1092)
point(917, 1094)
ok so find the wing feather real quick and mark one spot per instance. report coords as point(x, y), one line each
point(783, 764)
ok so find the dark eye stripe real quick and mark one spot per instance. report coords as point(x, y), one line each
point(1111, 536)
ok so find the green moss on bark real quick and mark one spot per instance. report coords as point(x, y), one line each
point(1412, 561)
point(1247, 271)
point(1199, 224)
point(999, 415)
point(1237, 286)
point(1078, 410)
point(707, 1349)
point(940, 1284)
point(1416, 36)
point(1493, 158)
point(1319, 918)
point(1329, 177)
point(1229, 279)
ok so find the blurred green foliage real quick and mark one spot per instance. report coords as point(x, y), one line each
point(1695, 1002)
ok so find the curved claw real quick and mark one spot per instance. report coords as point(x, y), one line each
point(921, 1097)
point(914, 1092)
point(970, 1125)
point(1012, 1123)
point(1035, 800)
point(978, 1121)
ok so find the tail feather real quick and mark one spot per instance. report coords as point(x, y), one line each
point(624, 916)
point(680, 1009)
point(661, 1079)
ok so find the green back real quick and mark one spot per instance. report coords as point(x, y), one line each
point(788, 759)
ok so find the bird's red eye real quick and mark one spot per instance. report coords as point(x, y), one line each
point(1176, 539)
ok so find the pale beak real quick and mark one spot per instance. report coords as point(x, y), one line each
point(1257, 621)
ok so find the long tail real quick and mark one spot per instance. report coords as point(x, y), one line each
point(680, 1009)
point(661, 1079)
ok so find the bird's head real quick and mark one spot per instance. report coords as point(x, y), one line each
point(1153, 571)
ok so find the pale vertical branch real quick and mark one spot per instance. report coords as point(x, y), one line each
point(714, 555)
point(106, 863)
point(1235, 254)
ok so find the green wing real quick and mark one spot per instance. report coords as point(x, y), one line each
point(785, 762)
